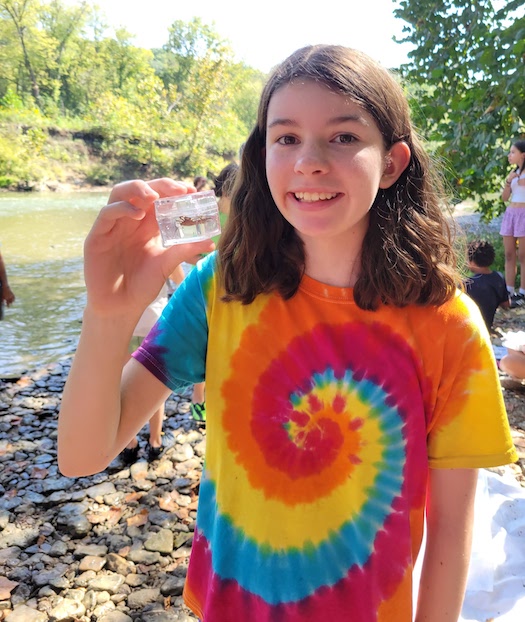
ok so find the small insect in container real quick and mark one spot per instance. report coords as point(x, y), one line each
point(188, 217)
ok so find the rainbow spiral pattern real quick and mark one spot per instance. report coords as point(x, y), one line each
point(318, 457)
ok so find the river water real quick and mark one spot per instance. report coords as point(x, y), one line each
point(41, 238)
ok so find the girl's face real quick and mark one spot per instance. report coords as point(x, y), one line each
point(325, 161)
point(516, 157)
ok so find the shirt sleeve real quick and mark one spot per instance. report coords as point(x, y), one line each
point(469, 427)
point(174, 351)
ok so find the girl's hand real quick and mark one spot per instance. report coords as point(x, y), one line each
point(125, 264)
point(510, 177)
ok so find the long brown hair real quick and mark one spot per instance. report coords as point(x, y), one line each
point(407, 254)
point(520, 146)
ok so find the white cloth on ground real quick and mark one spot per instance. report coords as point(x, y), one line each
point(496, 581)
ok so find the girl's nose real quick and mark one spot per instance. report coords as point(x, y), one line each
point(311, 160)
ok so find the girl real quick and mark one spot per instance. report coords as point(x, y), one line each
point(513, 224)
point(350, 388)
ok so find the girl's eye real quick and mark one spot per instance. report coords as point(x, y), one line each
point(287, 140)
point(345, 139)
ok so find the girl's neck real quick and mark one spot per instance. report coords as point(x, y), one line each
point(333, 262)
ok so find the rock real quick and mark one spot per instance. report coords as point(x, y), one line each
point(138, 599)
point(173, 586)
point(108, 582)
point(18, 535)
point(26, 614)
point(115, 616)
point(162, 541)
point(118, 564)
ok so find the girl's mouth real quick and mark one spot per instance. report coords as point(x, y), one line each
point(311, 197)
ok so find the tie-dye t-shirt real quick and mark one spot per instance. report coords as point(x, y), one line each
point(323, 420)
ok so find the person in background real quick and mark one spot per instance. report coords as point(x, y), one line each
point(351, 390)
point(6, 293)
point(513, 363)
point(200, 183)
point(223, 190)
point(486, 287)
point(513, 224)
point(155, 445)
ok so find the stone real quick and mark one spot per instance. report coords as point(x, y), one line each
point(115, 616)
point(138, 599)
point(118, 564)
point(109, 582)
point(26, 614)
point(91, 562)
point(162, 541)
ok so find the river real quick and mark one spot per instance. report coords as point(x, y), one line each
point(41, 238)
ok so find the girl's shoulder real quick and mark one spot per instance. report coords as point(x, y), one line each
point(460, 311)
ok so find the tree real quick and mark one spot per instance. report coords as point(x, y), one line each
point(189, 44)
point(63, 27)
point(199, 75)
point(22, 13)
point(467, 81)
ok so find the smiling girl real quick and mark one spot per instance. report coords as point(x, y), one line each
point(351, 389)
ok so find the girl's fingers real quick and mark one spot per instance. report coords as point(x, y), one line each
point(131, 199)
point(113, 212)
point(184, 252)
point(166, 187)
point(141, 194)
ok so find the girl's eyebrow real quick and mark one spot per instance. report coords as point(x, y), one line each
point(334, 121)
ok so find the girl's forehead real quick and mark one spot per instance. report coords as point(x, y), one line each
point(293, 96)
point(323, 89)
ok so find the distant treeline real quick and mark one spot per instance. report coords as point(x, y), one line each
point(78, 100)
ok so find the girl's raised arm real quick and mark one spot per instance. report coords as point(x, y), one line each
point(125, 267)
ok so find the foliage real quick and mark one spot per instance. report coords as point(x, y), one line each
point(467, 77)
point(184, 109)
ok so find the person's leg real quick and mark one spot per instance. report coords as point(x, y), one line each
point(198, 393)
point(155, 445)
point(521, 259)
point(509, 244)
point(513, 364)
point(198, 407)
point(130, 454)
point(155, 427)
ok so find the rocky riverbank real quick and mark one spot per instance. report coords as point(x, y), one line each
point(112, 547)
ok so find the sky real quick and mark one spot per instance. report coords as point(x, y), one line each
point(264, 33)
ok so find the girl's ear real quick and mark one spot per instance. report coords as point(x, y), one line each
point(396, 161)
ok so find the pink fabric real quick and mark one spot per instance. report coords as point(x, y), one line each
point(513, 223)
